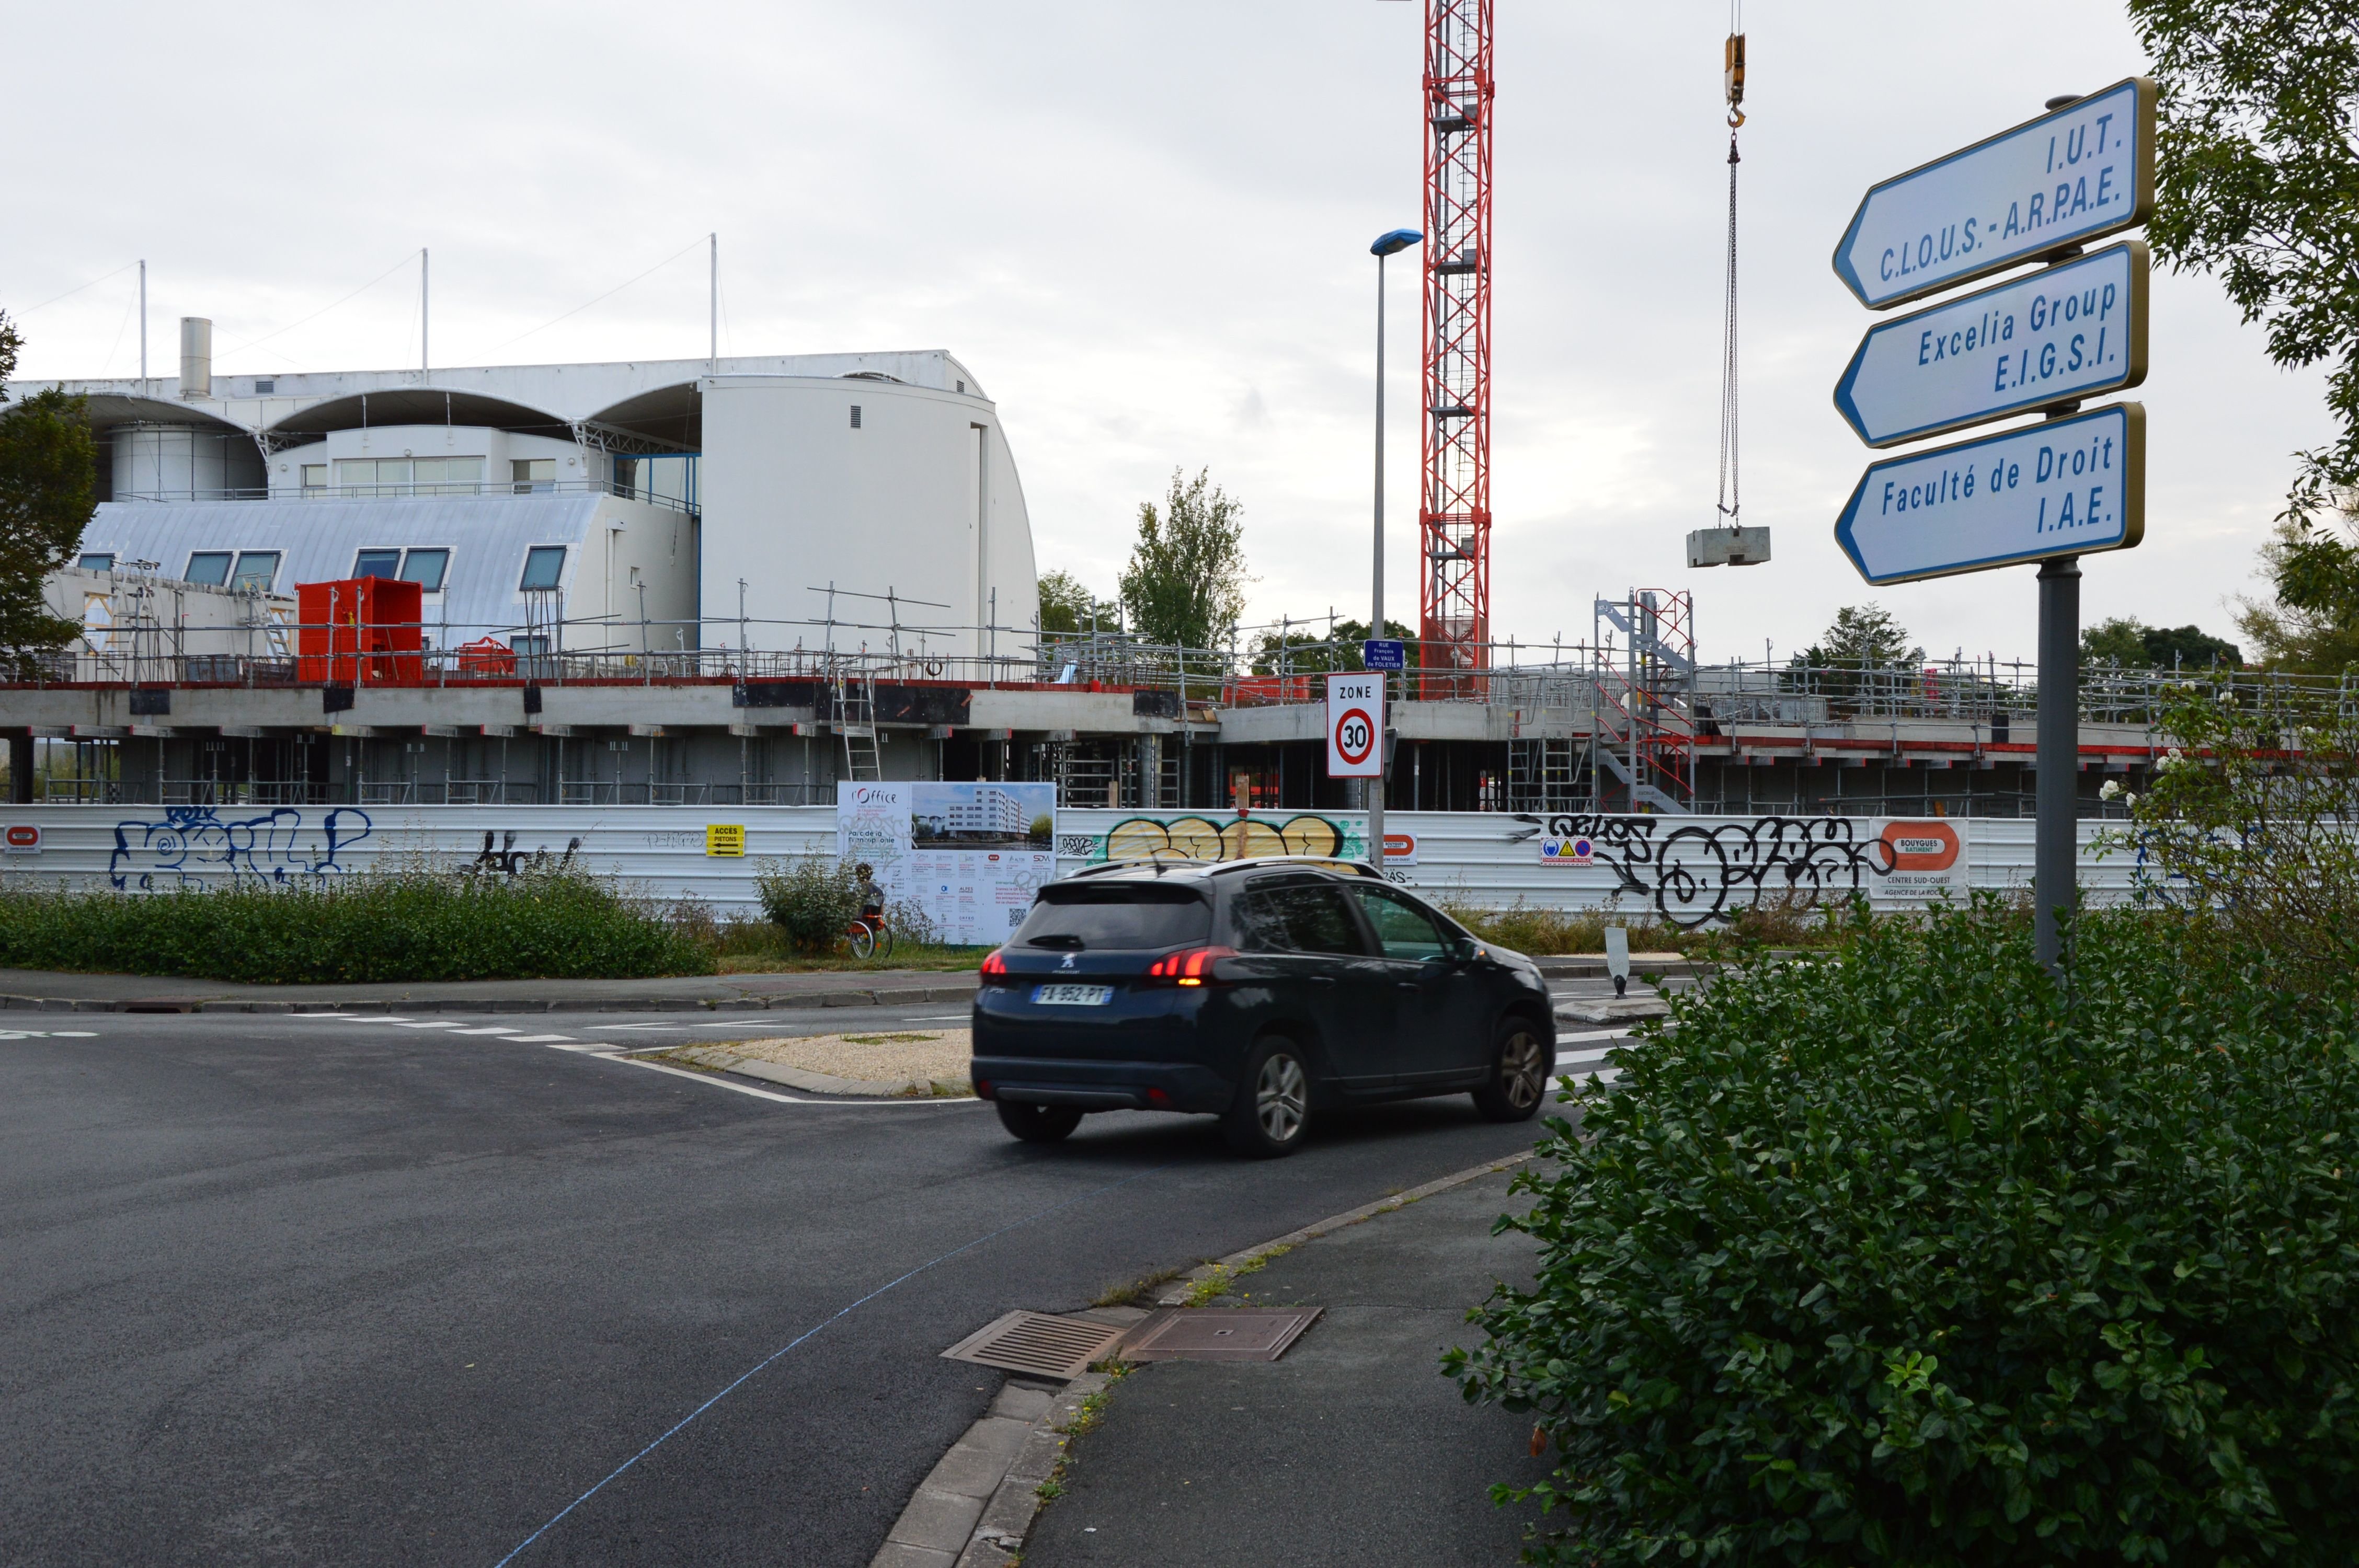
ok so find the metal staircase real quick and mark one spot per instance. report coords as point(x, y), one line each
point(853, 712)
point(1640, 730)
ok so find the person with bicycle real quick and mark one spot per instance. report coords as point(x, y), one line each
point(869, 935)
point(872, 897)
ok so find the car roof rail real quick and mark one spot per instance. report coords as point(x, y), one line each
point(1158, 866)
point(1316, 862)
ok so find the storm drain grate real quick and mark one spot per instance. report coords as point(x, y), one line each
point(1039, 1343)
point(1217, 1334)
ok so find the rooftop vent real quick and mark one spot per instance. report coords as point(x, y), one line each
point(855, 417)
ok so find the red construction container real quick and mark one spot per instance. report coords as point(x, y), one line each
point(486, 656)
point(360, 631)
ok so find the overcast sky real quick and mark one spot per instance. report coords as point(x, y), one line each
point(1144, 228)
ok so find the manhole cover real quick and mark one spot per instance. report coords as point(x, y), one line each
point(1217, 1334)
point(1039, 1343)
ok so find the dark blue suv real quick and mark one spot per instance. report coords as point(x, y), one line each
point(1263, 991)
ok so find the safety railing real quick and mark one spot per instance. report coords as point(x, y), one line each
point(427, 488)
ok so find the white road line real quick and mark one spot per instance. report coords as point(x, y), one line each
point(1593, 1034)
point(596, 1027)
point(361, 1017)
point(1584, 1055)
point(540, 1039)
point(944, 1018)
point(431, 1023)
point(719, 1083)
point(494, 1029)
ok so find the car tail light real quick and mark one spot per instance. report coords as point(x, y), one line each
point(994, 968)
point(1190, 966)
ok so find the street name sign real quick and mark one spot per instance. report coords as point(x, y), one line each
point(1384, 653)
point(1356, 726)
point(2069, 177)
point(2064, 487)
point(2052, 336)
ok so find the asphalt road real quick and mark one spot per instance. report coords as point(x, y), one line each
point(304, 1289)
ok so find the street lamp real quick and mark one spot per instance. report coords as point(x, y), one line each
point(1386, 244)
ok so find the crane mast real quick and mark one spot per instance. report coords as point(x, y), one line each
point(1454, 503)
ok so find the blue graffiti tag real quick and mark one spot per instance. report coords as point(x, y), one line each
point(195, 845)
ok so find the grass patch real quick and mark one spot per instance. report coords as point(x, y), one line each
point(402, 924)
point(1215, 1284)
point(1135, 1292)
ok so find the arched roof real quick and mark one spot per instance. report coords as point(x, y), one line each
point(421, 406)
point(671, 416)
point(108, 410)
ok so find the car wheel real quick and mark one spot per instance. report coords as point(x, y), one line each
point(1039, 1123)
point(1519, 1074)
point(1273, 1103)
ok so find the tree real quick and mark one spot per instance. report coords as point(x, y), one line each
point(1185, 586)
point(2312, 627)
point(1304, 652)
point(49, 473)
point(2256, 176)
point(1067, 606)
point(2129, 642)
point(1862, 637)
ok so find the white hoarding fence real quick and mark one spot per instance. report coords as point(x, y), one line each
point(1690, 870)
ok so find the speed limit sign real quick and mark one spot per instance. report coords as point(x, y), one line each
point(1356, 726)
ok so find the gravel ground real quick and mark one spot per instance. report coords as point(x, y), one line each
point(940, 1054)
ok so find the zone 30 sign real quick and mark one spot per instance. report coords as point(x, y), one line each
point(1356, 726)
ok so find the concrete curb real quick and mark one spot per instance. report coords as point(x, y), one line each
point(889, 997)
point(1180, 1290)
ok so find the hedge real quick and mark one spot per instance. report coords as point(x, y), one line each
point(1911, 1256)
point(392, 926)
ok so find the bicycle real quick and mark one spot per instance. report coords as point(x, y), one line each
point(869, 938)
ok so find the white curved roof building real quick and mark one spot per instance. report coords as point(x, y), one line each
point(601, 505)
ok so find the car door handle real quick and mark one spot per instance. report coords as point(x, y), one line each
point(1405, 985)
point(1322, 980)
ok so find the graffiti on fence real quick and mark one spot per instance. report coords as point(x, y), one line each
point(195, 844)
point(1207, 839)
point(508, 860)
point(1696, 873)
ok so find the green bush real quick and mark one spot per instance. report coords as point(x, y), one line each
point(813, 898)
point(1908, 1257)
point(397, 926)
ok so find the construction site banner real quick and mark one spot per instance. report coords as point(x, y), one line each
point(963, 859)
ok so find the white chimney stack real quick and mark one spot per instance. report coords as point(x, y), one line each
point(196, 357)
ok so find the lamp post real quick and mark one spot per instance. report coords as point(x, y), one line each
point(1386, 244)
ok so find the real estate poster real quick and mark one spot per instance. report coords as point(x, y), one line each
point(964, 858)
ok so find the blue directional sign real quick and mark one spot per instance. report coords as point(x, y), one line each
point(2053, 336)
point(1384, 653)
point(2079, 172)
point(2065, 487)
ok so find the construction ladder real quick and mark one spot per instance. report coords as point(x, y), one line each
point(854, 714)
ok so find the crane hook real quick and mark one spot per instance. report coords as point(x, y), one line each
point(1732, 77)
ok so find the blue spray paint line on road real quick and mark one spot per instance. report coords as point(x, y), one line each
point(807, 1333)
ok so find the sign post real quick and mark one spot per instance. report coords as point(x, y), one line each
point(2049, 492)
point(1355, 742)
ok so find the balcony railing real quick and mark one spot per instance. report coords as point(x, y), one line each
point(431, 488)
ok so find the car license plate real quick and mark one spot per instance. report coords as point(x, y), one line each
point(1073, 996)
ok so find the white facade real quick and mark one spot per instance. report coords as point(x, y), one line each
point(915, 494)
point(766, 477)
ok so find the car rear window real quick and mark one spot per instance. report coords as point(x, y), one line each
point(1117, 915)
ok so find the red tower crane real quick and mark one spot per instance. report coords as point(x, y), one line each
point(1454, 504)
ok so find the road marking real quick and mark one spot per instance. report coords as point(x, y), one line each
point(540, 1039)
point(360, 1017)
point(491, 1029)
point(943, 1018)
point(715, 1081)
point(672, 1026)
point(1587, 1055)
point(429, 1023)
point(48, 1035)
point(1593, 1034)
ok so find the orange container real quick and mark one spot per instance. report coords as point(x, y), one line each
point(360, 631)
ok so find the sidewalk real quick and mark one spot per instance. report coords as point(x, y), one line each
point(51, 991)
point(1352, 1449)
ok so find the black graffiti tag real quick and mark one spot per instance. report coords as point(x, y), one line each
point(509, 860)
point(1693, 874)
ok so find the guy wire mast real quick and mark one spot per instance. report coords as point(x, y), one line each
point(1454, 507)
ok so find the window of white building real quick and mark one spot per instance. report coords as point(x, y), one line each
point(208, 566)
point(257, 570)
